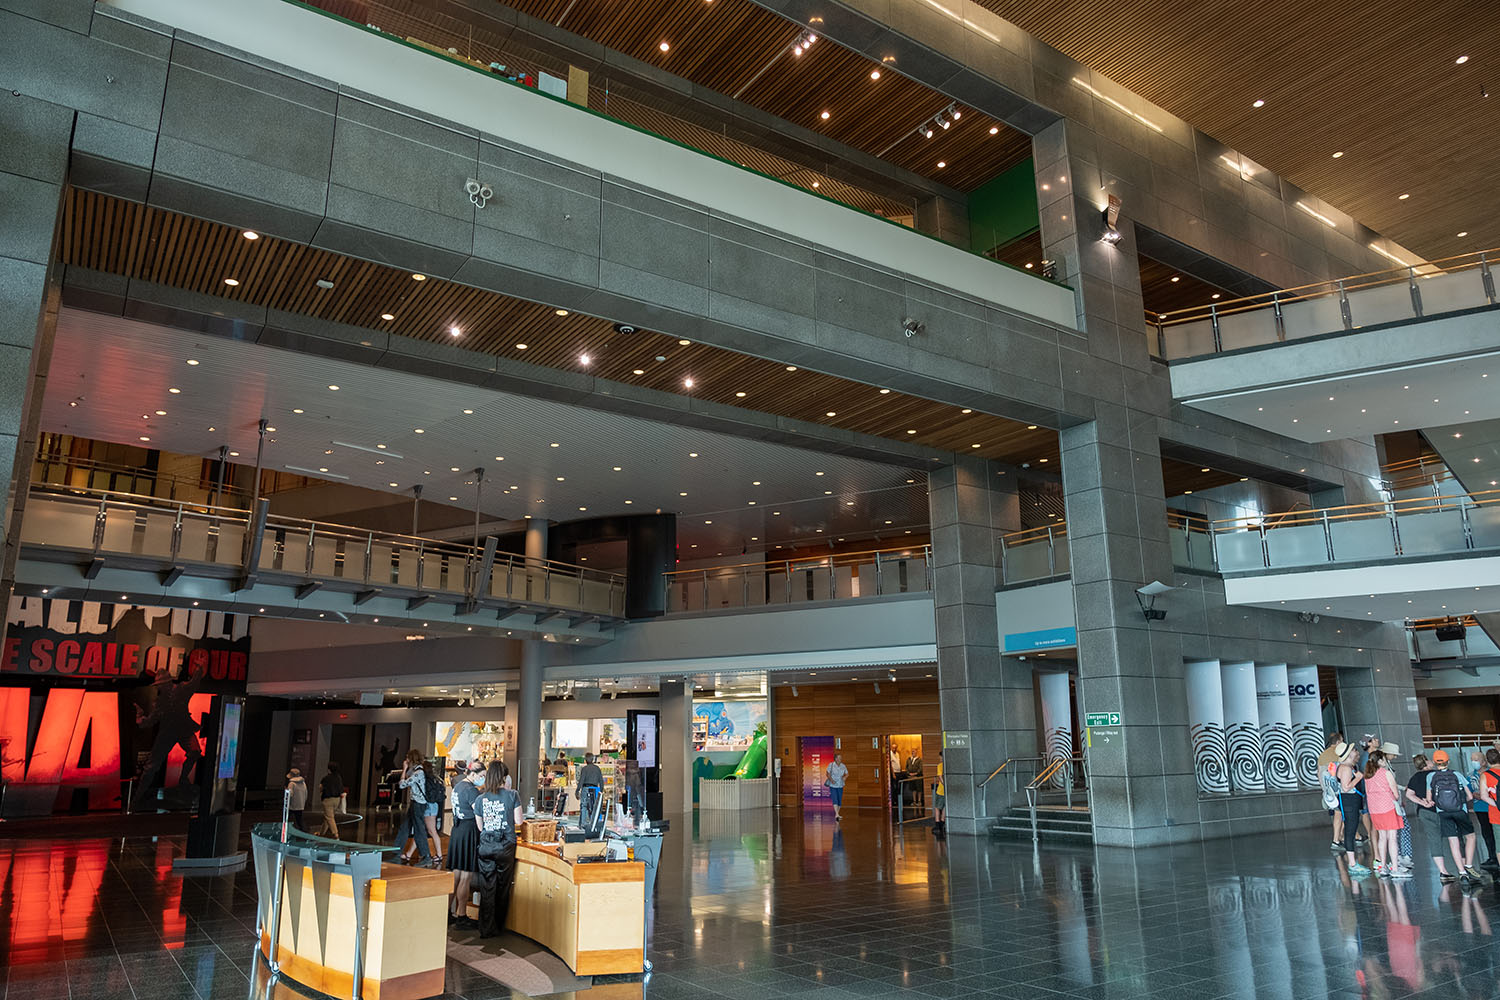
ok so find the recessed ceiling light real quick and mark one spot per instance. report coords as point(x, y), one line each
point(231, 282)
point(299, 411)
point(639, 371)
point(942, 164)
point(791, 368)
point(322, 469)
point(973, 446)
point(559, 312)
point(1460, 60)
point(585, 360)
point(1464, 233)
point(144, 438)
point(1175, 279)
point(193, 362)
point(1041, 460)
point(250, 234)
point(885, 392)
point(562, 479)
point(739, 395)
point(1031, 427)
point(682, 494)
point(911, 430)
point(874, 74)
point(817, 473)
point(994, 130)
point(1402, 197)
point(520, 347)
point(453, 498)
point(1214, 295)
point(174, 391)
point(966, 410)
point(688, 382)
point(555, 444)
point(617, 468)
point(161, 413)
point(831, 413)
point(692, 454)
point(387, 316)
point(1338, 154)
point(419, 277)
point(665, 46)
point(393, 484)
point(1258, 104)
point(824, 116)
point(453, 468)
point(234, 454)
point(455, 331)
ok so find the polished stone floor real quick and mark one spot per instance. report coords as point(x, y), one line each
point(756, 906)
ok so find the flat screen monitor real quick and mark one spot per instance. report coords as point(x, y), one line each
point(570, 733)
point(229, 740)
point(645, 739)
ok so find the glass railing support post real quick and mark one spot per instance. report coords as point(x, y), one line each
point(1487, 276)
point(99, 518)
point(176, 535)
point(1213, 319)
point(879, 583)
point(1328, 537)
point(1344, 310)
point(1416, 293)
point(1463, 515)
point(1051, 554)
point(1280, 319)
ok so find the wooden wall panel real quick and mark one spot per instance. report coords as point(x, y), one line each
point(853, 713)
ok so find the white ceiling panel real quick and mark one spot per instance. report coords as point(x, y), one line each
point(389, 431)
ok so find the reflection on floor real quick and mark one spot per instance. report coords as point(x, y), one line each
point(752, 906)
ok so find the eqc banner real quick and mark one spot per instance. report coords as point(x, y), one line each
point(86, 640)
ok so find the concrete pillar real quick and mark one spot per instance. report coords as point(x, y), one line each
point(33, 172)
point(985, 702)
point(536, 540)
point(529, 716)
point(946, 219)
point(675, 745)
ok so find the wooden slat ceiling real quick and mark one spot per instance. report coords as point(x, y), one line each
point(1375, 79)
point(121, 237)
point(1164, 288)
point(1185, 478)
point(744, 51)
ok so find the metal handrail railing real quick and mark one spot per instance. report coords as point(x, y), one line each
point(364, 540)
point(50, 464)
point(878, 559)
point(1379, 508)
point(1320, 289)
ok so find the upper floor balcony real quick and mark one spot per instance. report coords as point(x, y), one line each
point(768, 582)
point(83, 542)
point(1405, 294)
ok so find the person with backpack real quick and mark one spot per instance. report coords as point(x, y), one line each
point(1351, 801)
point(1488, 786)
point(1447, 794)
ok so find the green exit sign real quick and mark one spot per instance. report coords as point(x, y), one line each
point(1093, 719)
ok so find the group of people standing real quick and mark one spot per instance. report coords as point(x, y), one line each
point(1370, 806)
point(481, 852)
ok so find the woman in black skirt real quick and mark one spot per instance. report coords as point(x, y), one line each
point(497, 813)
point(463, 845)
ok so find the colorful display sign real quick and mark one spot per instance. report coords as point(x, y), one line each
point(726, 725)
point(87, 640)
point(817, 754)
point(100, 693)
point(1047, 638)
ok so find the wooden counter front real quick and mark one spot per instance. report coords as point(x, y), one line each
point(406, 937)
point(592, 916)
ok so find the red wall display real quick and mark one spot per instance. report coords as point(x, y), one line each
point(86, 689)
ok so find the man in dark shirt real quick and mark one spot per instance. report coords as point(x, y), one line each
point(590, 787)
point(331, 788)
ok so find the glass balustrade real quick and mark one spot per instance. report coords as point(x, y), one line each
point(1437, 288)
point(136, 531)
point(770, 582)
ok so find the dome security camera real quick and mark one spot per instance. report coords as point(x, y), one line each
point(626, 328)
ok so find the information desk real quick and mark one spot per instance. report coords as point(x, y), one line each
point(592, 915)
point(344, 914)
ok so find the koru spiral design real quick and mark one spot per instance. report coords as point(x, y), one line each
point(1279, 757)
point(1308, 739)
point(1211, 758)
point(1245, 768)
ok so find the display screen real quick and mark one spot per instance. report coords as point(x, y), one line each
point(229, 740)
point(645, 739)
point(570, 733)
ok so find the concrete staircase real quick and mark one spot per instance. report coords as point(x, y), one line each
point(1055, 822)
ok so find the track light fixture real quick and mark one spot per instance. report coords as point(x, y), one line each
point(1111, 234)
point(803, 43)
point(944, 119)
